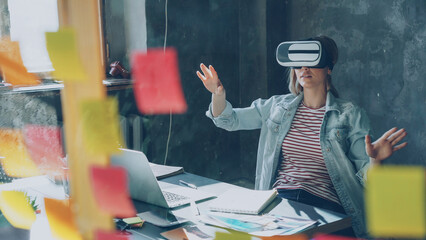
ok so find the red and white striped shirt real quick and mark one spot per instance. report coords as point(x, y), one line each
point(303, 164)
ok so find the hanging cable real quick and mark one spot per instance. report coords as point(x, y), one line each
point(164, 50)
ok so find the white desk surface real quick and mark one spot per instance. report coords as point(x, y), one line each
point(41, 186)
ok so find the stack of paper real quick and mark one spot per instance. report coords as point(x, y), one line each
point(242, 200)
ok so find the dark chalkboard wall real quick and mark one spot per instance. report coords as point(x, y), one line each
point(381, 68)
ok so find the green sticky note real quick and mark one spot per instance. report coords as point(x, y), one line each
point(101, 127)
point(234, 235)
point(395, 201)
point(64, 55)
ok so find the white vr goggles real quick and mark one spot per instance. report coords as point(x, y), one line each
point(297, 54)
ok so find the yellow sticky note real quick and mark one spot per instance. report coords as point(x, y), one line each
point(64, 55)
point(395, 201)
point(61, 219)
point(292, 237)
point(234, 235)
point(17, 210)
point(16, 162)
point(100, 125)
point(132, 220)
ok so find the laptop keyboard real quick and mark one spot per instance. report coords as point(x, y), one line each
point(172, 197)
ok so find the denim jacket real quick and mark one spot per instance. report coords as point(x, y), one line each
point(341, 138)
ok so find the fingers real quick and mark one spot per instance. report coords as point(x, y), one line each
point(367, 139)
point(398, 136)
point(402, 145)
point(388, 133)
point(214, 73)
point(201, 76)
point(207, 73)
point(368, 149)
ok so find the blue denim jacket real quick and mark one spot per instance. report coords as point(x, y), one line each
point(341, 138)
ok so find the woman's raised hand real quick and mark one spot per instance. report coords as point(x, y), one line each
point(211, 80)
point(385, 145)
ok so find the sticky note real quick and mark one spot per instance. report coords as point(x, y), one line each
point(333, 237)
point(157, 86)
point(395, 201)
point(132, 220)
point(234, 235)
point(17, 209)
point(105, 235)
point(111, 192)
point(10, 49)
point(289, 237)
point(64, 55)
point(16, 162)
point(44, 144)
point(61, 219)
point(15, 72)
point(100, 125)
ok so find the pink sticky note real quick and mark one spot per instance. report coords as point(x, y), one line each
point(111, 191)
point(157, 85)
point(44, 145)
point(104, 235)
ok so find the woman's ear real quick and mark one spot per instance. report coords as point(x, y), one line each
point(328, 71)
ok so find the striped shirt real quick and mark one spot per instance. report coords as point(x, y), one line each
point(303, 164)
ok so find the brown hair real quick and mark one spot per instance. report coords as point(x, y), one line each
point(332, 52)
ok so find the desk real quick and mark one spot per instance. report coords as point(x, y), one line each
point(328, 221)
point(41, 186)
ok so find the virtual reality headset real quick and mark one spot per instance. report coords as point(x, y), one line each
point(307, 53)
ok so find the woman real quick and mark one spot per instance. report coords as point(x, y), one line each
point(314, 147)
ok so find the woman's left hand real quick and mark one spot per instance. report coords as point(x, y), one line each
point(385, 145)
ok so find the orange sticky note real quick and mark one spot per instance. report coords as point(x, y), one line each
point(157, 86)
point(104, 235)
point(16, 161)
point(17, 210)
point(64, 55)
point(111, 191)
point(101, 127)
point(333, 237)
point(395, 201)
point(44, 145)
point(11, 49)
point(12, 67)
point(61, 219)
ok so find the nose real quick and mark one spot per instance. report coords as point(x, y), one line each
point(305, 68)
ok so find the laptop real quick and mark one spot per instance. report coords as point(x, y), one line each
point(143, 184)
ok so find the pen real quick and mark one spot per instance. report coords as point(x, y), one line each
point(187, 184)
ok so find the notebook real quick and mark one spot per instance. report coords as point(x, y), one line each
point(163, 171)
point(143, 184)
point(242, 200)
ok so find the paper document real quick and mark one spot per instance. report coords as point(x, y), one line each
point(242, 200)
point(258, 225)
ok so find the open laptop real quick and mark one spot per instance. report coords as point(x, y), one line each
point(143, 184)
